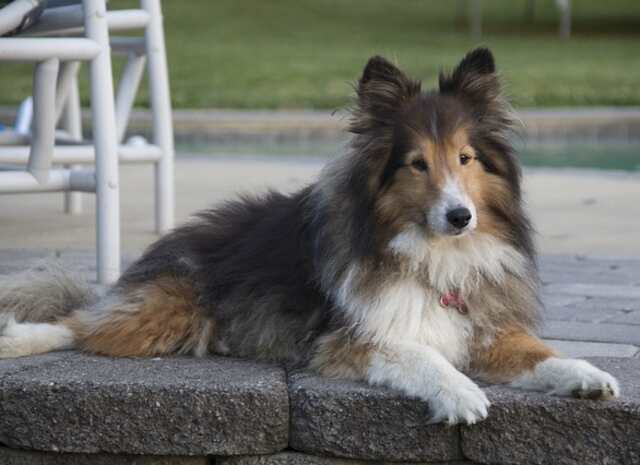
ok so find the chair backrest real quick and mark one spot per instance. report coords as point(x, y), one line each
point(17, 15)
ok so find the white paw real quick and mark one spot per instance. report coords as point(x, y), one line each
point(23, 339)
point(570, 377)
point(459, 400)
point(585, 381)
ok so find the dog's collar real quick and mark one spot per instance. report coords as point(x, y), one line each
point(453, 300)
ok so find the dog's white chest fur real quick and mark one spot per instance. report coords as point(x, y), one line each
point(403, 312)
point(458, 263)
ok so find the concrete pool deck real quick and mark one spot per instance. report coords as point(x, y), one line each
point(575, 212)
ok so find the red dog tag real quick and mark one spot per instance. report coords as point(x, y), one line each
point(453, 300)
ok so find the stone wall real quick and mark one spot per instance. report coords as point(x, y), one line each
point(69, 408)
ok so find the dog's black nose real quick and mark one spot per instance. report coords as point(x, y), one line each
point(459, 217)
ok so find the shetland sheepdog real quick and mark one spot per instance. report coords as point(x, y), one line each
point(409, 263)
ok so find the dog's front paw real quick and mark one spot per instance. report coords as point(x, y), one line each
point(571, 378)
point(583, 380)
point(458, 400)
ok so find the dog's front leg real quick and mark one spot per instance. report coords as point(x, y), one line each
point(525, 362)
point(421, 371)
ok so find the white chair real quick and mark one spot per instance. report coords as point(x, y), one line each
point(50, 158)
point(474, 8)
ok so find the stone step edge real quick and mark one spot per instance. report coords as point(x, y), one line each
point(505, 403)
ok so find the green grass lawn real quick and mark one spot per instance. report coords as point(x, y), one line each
point(306, 53)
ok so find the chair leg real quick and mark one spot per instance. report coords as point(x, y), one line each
point(105, 140)
point(475, 18)
point(43, 127)
point(161, 114)
point(565, 18)
point(72, 122)
point(127, 90)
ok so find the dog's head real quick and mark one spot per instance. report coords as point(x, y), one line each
point(439, 161)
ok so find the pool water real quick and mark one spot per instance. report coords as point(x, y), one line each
point(611, 156)
point(605, 156)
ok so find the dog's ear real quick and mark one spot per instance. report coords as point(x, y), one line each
point(380, 92)
point(475, 81)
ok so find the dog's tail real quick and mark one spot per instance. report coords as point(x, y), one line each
point(49, 310)
point(30, 305)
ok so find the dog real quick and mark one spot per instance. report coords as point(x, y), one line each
point(409, 263)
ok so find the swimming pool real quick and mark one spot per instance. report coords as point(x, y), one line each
point(605, 156)
point(621, 156)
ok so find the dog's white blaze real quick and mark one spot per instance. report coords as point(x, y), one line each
point(458, 263)
point(22, 339)
point(452, 196)
point(404, 311)
point(563, 377)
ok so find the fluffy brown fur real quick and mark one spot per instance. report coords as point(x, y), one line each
point(514, 351)
point(159, 317)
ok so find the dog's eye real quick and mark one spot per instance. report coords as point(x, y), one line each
point(419, 164)
point(464, 158)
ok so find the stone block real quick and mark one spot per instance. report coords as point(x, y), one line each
point(297, 458)
point(592, 332)
point(581, 349)
point(27, 457)
point(539, 429)
point(353, 420)
point(69, 402)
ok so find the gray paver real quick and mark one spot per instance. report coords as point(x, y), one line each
point(592, 309)
point(581, 312)
point(595, 290)
point(71, 402)
point(594, 332)
point(580, 349)
point(296, 458)
point(560, 300)
point(354, 420)
point(612, 305)
point(632, 318)
point(27, 457)
point(588, 270)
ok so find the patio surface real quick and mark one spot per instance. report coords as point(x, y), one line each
point(587, 213)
